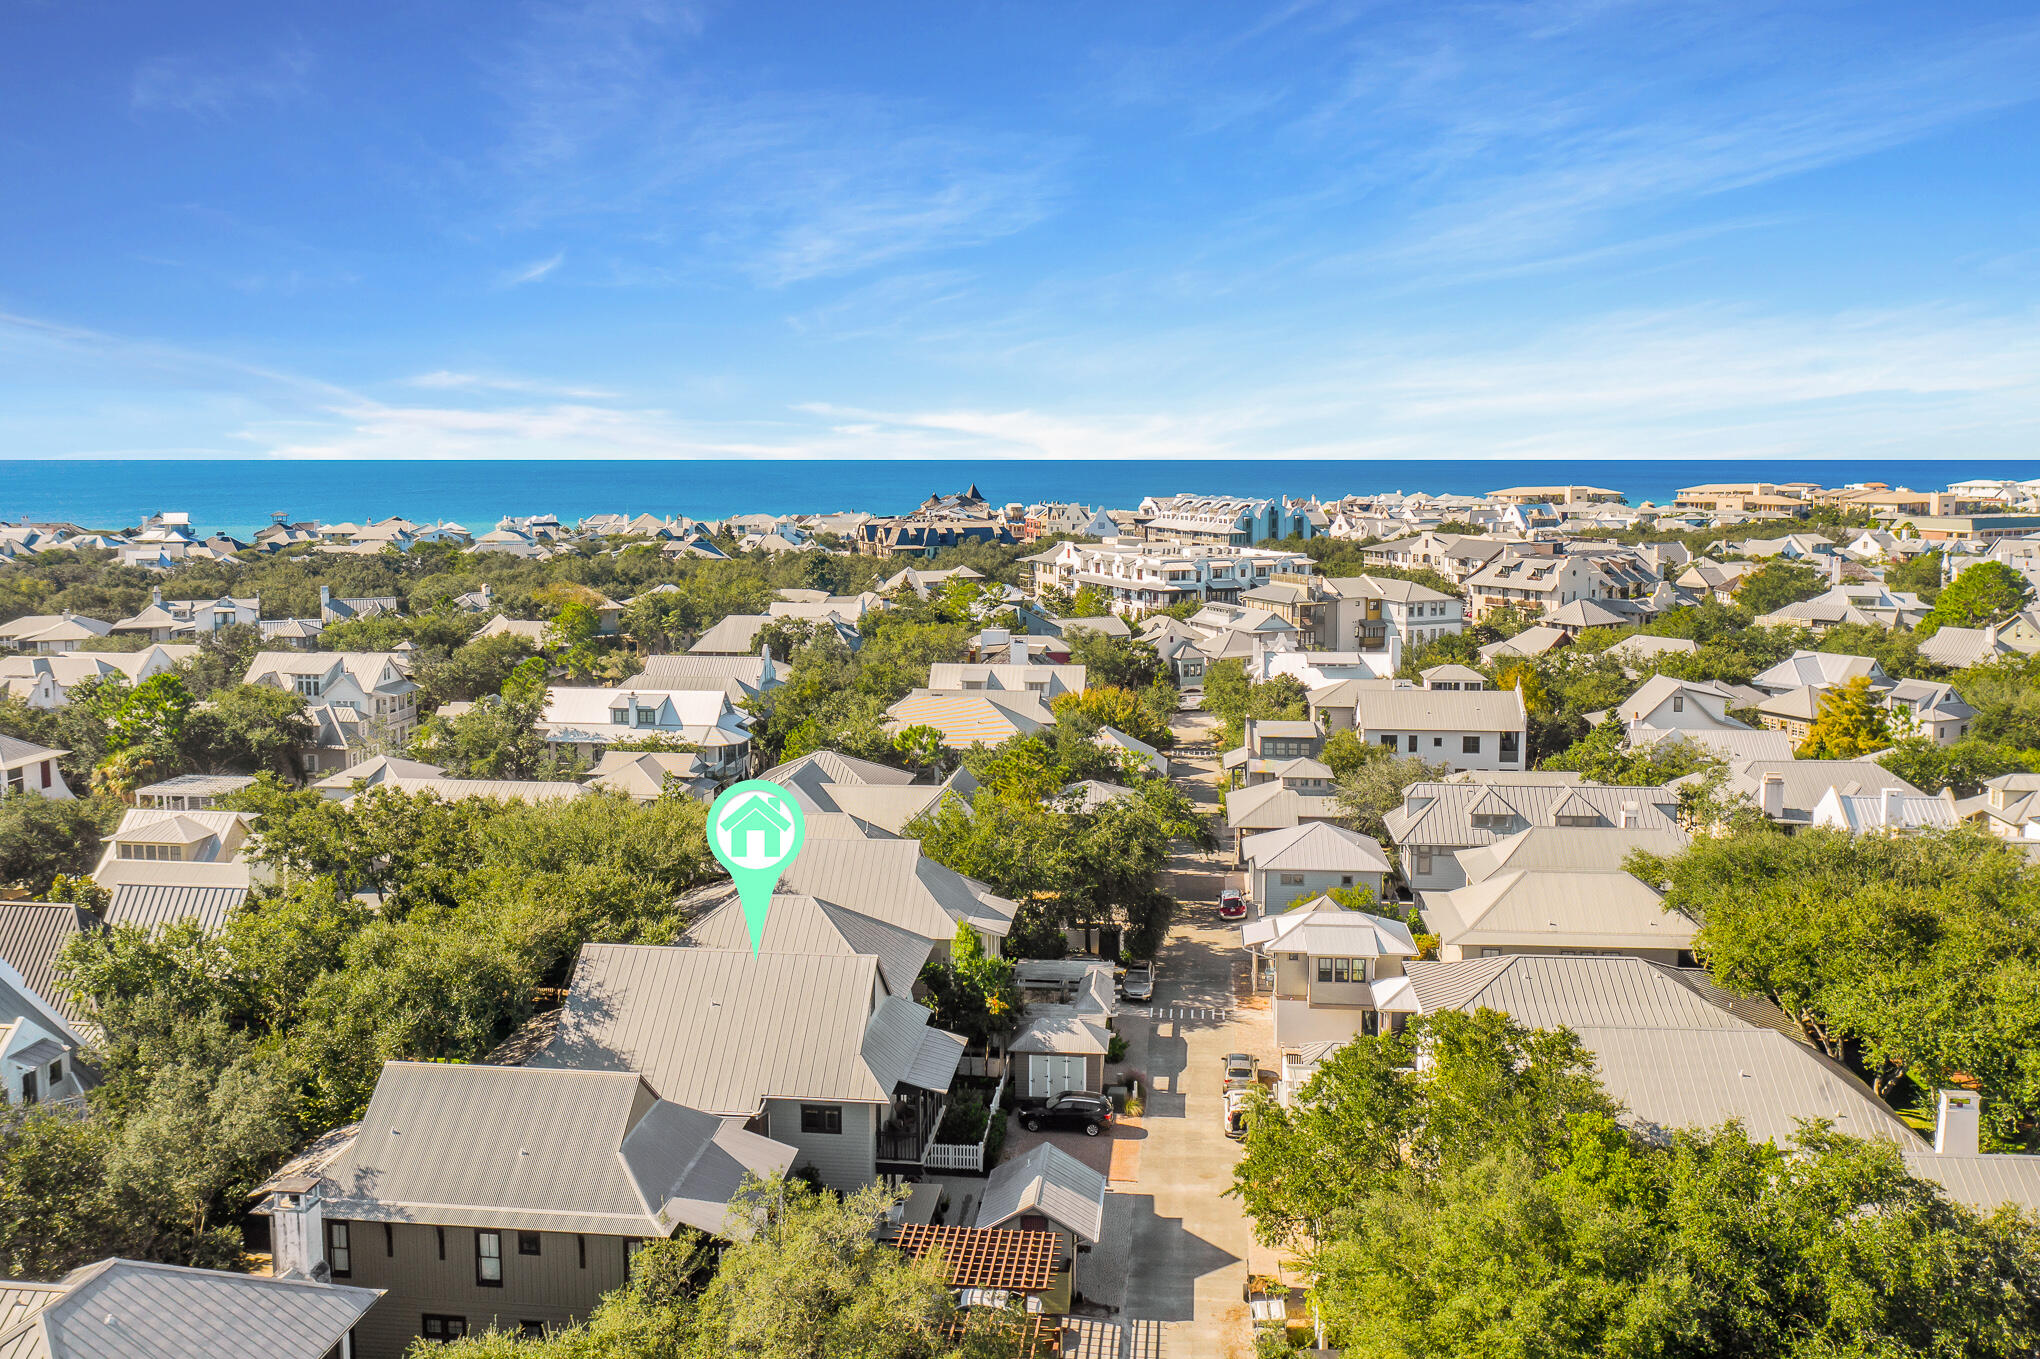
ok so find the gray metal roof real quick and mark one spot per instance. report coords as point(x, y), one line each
point(1316, 846)
point(126, 1309)
point(13, 750)
point(1554, 990)
point(1556, 908)
point(1270, 806)
point(1805, 781)
point(32, 934)
point(198, 785)
point(735, 635)
point(1434, 709)
point(541, 1149)
point(154, 905)
point(1590, 848)
point(801, 924)
point(1442, 813)
point(1048, 1181)
point(722, 1030)
point(890, 880)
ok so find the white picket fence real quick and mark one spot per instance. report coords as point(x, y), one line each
point(962, 1155)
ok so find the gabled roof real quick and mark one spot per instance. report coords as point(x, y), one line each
point(377, 769)
point(1442, 813)
point(542, 1149)
point(1270, 806)
point(1315, 846)
point(1806, 781)
point(128, 1309)
point(1589, 848)
point(892, 881)
point(801, 924)
point(1556, 908)
point(1321, 927)
point(1048, 1181)
point(32, 934)
point(723, 1030)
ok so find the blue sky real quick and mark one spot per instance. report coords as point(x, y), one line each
point(1555, 230)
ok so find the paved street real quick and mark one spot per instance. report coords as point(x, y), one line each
point(1187, 1244)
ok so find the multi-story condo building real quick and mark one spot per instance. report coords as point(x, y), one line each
point(1358, 613)
point(1142, 577)
point(1222, 520)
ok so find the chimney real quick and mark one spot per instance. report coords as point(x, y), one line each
point(1990, 634)
point(1019, 651)
point(325, 595)
point(297, 1228)
point(156, 595)
point(1958, 1124)
point(488, 592)
point(1891, 804)
point(1772, 796)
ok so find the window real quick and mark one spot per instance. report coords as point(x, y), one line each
point(338, 1253)
point(1678, 703)
point(648, 717)
point(307, 685)
point(1292, 879)
point(1388, 741)
point(489, 1259)
point(46, 780)
point(821, 1118)
point(1413, 743)
point(389, 1240)
point(1469, 745)
point(1509, 743)
point(527, 1243)
point(56, 1071)
point(581, 1249)
point(531, 1330)
point(442, 1330)
point(28, 1095)
point(1422, 862)
point(440, 1232)
point(631, 1247)
point(1345, 880)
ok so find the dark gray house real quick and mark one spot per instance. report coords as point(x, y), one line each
point(506, 1197)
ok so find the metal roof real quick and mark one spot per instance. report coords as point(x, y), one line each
point(1556, 908)
point(540, 1149)
point(1592, 848)
point(32, 934)
point(1570, 990)
point(723, 1030)
point(127, 1309)
point(1442, 813)
point(890, 880)
point(1323, 928)
point(1436, 709)
point(154, 905)
point(1271, 806)
point(1048, 1181)
point(1315, 846)
point(800, 924)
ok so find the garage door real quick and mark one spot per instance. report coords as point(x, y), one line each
point(1052, 1075)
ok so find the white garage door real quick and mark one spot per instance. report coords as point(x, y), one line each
point(1052, 1075)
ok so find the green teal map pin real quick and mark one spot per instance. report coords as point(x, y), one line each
point(755, 828)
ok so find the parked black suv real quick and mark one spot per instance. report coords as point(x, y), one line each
point(1070, 1109)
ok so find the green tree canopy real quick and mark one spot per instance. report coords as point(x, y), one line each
point(1848, 723)
point(1987, 592)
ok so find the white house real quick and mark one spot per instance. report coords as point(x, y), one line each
point(1335, 973)
point(590, 720)
point(361, 703)
point(26, 767)
point(1309, 860)
point(1461, 729)
point(1887, 810)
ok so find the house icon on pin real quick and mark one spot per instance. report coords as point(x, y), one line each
point(755, 832)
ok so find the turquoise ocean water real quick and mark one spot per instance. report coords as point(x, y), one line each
point(241, 496)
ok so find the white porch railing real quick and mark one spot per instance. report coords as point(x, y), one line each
point(964, 1155)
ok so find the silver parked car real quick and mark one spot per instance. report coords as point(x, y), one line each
point(1139, 982)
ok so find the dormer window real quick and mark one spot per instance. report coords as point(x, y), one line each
point(308, 686)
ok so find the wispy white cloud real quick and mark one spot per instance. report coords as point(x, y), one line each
point(613, 120)
point(214, 85)
point(532, 272)
point(443, 379)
